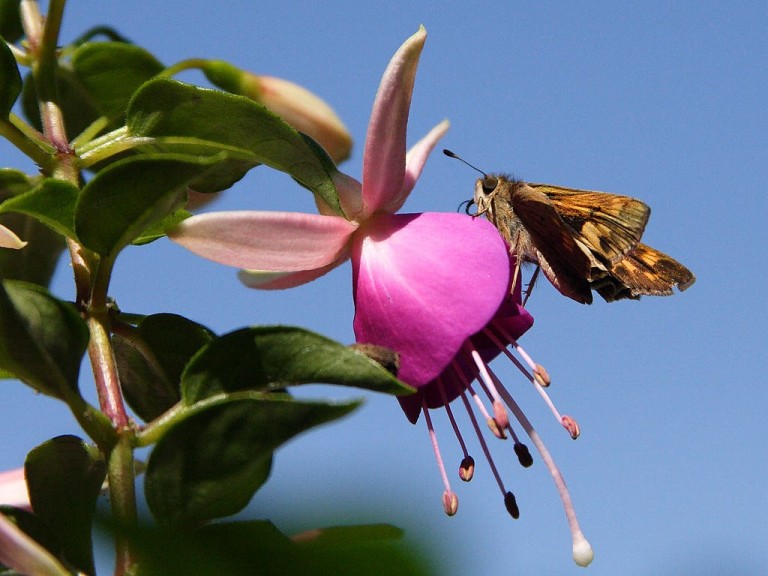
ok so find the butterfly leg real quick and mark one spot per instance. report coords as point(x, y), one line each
point(531, 283)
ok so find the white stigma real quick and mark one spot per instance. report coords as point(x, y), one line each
point(582, 550)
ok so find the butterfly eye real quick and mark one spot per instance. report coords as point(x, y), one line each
point(489, 184)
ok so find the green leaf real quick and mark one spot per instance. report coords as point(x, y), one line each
point(64, 478)
point(157, 230)
point(273, 357)
point(165, 108)
point(42, 339)
point(345, 535)
point(111, 72)
point(150, 361)
point(51, 202)
point(14, 182)
point(37, 261)
point(211, 463)
point(10, 80)
point(127, 197)
point(10, 20)
point(258, 547)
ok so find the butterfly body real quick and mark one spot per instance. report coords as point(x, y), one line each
point(582, 240)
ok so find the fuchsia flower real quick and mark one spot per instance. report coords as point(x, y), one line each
point(432, 287)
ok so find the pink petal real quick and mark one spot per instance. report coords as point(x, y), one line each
point(511, 317)
point(384, 156)
point(416, 158)
point(25, 555)
point(271, 241)
point(281, 280)
point(13, 489)
point(424, 283)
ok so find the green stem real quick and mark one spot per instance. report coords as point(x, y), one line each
point(189, 64)
point(34, 148)
point(122, 489)
point(120, 460)
point(100, 349)
point(44, 74)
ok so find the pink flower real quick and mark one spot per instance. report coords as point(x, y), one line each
point(432, 287)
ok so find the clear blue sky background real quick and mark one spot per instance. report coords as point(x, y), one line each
point(663, 101)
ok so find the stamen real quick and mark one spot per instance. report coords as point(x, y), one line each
point(566, 421)
point(492, 424)
point(582, 551)
point(450, 500)
point(521, 450)
point(489, 458)
point(467, 466)
point(499, 412)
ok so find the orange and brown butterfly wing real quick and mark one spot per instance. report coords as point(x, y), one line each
point(610, 225)
point(647, 271)
point(562, 259)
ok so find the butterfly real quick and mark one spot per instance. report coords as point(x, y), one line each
point(582, 240)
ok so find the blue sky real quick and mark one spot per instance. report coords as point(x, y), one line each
point(662, 101)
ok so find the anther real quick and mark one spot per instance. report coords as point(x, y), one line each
point(571, 425)
point(500, 414)
point(510, 503)
point(523, 455)
point(450, 502)
point(494, 426)
point(542, 376)
point(467, 468)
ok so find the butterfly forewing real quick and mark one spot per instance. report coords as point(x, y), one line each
point(554, 248)
point(609, 224)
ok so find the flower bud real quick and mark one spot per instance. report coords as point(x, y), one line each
point(9, 240)
point(296, 105)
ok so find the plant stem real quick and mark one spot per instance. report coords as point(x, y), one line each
point(105, 372)
point(18, 138)
point(92, 275)
point(122, 488)
point(120, 461)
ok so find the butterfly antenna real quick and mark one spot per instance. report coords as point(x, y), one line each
point(460, 159)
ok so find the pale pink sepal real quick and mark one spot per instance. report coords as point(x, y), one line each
point(9, 240)
point(21, 553)
point(13, 489)
point(423, 284)
point(268, 241)
point(384, 155)
point(281, 280)
point(415, 160)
